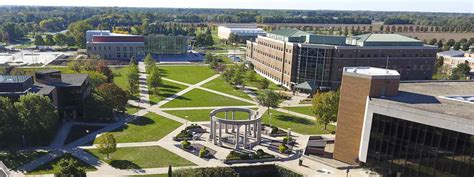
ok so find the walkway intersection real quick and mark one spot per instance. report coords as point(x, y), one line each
point(76, 148)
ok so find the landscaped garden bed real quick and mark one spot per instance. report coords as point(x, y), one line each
point(187, 133)
point(275, 131)
point(53, 166)
point(249, 157)
point(281, 147)
point(197, 150)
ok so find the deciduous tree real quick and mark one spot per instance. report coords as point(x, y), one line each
point(269, 99)
point(107, 144)
point(113, 95)
point(325, 107)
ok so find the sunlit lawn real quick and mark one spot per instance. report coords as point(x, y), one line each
point(297, 124)
point(201, 98)
point(166, 90)
point(53, 167)
point(150, 127)
point(142, 157)
point(187, 74)
point(220, 85)
point(203, 115)
point(303, 110)
point(120, 77)
point(132, 109)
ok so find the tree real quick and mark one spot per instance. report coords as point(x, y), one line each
point(89, 65)
point(8, 118)
point(461, 70)
point(39, 40)
point(154, 78)
point(74, 65)
point(251, 76)
point(325, 107)
point(107, 144)
point(113, 95)
point(36, 114)
point(70, 167)
point(228, 74)
point(263, 84)
point(433, 41)
point(439, 63)
point(95, 78)
point(60, 39)
point(238, 78)
point(170, 171)
point(149, 62)
point(102, 68)
point(96, 108)
point(78, 31)
point(132, 78)
point(457, 46)
point(269, 99)
point(233, 38)
point(49, 40)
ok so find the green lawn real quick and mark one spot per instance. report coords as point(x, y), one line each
point(187, 74)
point(132, 109)
point(120, 77)
point(142, 157)
point(150, 127)
point(53, 166)
point(303, 110)
point(166, 90)
point(201, 98)
point(258, 77)
point(297, 124)
point(14, 160)
point(220, 85)
point(203, 115)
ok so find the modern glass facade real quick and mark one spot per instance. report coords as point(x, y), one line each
point(166, 44)
point(407, 148)
point(311, 65)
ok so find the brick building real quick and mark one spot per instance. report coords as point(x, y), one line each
point(290, 57)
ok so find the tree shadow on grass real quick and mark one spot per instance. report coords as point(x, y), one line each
point(294, 119)
point(142, 121)
point(163, 72)
point(124, 164)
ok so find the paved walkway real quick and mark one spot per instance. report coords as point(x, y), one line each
point(105, 169)
point(144, 93)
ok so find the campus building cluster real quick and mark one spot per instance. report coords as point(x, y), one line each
point(67, 92)
point(242, 32)
point(114, 46)
point(410, 128)
point(290, 57)
point(454, 57)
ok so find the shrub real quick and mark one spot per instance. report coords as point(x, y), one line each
point(260, 152)
point(185, 144)
point(274, 130)
point(184, 134)
point(286, 139)
point(244, 156)
point(282, 148)
point(203, 152)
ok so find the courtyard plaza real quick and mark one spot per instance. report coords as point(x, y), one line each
point(138, 155)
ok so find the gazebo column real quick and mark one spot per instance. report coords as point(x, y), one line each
point(220, 134)
point(233, 118)
point(237, 135)
point(259, 132)
point(225, 126)
point(245, 136)
point(255, 130)
point(211, 131)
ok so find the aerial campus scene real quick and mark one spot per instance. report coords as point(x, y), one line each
point(237, 88)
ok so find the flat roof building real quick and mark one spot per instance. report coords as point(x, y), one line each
point(109, 45)
point(422, 128)
point(67, 92)
point(290, 57)
point(242, 32)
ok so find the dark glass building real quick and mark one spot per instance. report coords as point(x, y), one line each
point(412, 149)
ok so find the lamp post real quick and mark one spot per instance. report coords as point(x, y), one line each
point(289, 136)
point(194, 139)
point(186, 123)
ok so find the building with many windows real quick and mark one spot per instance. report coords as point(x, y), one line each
point(290, 57)
point(67, 92)
point(411, 128)
point(107, 45)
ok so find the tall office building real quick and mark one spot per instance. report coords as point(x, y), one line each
point(290, 57)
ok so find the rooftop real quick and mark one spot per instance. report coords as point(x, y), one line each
point(371, 71)
point(452, 53)
point(13, 79)
point(384, 40)
point(441, 97)
point(289, 33)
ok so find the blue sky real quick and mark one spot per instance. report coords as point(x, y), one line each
point(462, 6)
